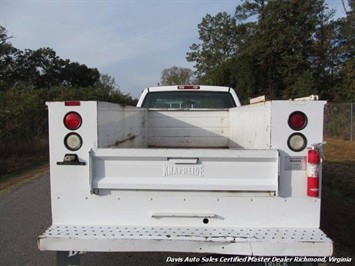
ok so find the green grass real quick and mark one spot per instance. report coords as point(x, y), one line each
point(33, 166)
point(338, 198)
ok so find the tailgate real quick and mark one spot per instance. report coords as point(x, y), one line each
point(185, 169)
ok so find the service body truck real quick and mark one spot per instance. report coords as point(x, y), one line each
point(187, 170)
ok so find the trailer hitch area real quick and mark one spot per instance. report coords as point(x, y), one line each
point(71, 159)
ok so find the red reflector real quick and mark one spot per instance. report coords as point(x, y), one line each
point(188, 87)
point(72, 120)
point(297, 120)
point(72, 103)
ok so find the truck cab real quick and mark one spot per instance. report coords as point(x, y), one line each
point(189, 97)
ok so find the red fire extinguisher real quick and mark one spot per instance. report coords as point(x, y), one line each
point(313, 173)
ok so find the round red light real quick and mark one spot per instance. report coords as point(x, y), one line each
point(297, 120)
point(72, 120)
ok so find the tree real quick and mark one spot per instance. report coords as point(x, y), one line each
point(291, 43)
point(218, 35)
point(110, 90)
point(176, 76)
point(7, 52)
point(78, 75)
point(41, 68)
point(287, 46)
point(350, 80)
point(5, 46)
point(108, 82)
point(48, 67)
point(250, 8)
point(344, 54)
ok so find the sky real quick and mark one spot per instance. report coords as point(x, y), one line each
point(132, 41)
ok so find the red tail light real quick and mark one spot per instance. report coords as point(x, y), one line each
point(72, 120)
point(297, 120)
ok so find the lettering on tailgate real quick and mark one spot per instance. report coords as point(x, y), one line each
point(169, 170)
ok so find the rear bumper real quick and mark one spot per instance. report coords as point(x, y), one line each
point(241, 241)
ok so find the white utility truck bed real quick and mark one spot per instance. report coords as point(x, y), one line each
point(182, 176)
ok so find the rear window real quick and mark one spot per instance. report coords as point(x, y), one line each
point(189, 100)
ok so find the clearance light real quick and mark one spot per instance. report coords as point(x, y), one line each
point(72, 103)
point(297, 142)
point(297, 120)
point(72, 120)
point(73, 141)
point(188, 87)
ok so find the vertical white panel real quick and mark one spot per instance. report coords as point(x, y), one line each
point(121, 126)
point(189, 128)
point(250, 126)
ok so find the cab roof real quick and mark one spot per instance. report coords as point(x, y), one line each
point(189, 87)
